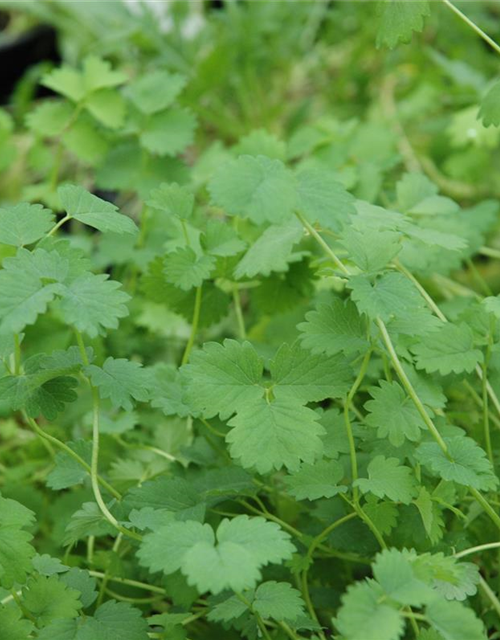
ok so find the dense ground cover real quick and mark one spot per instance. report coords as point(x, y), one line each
point(250, 323)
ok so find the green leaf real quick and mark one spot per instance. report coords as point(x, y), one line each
point(168, 133)
point(65, 81)
point(365, 616)
point(81, 581)
point(87, 521)
point(107, 107)
point(492, 304)
point(243, 546)
point(172, 199)
point(489, 111)
point(384, 515)
point(322, 199)
point(186, 270)
point(393, 414)
point(155, 91)
point(228, 610)
point(399, 19)
point(221, 240)
point(297, 374)
point(48, 566)
point(24, 297)
point(223, 377)
point(369, 249)
point(98, 74)
point(391, 295)
point(24, 224)
point(92, 304)
point(50, 118)
point(67, 471)
point(278, 601)
point(267, 436)
point(334, 328)
point(454, 621)
point(93, 211)
point(314, 481)
point(469, 465)
point(260, 142)
point(448, 350)
point(113, 621)
point(120, 380)
point(271, 252)
point(387, 478)
point(257, 188)
point(166, 391)
point(395, 574)
point(48, 599)
point(13, 628)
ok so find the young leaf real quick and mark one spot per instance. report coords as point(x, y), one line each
point(371, 250)
point(448, 350)
point(278, 601)
point(393, 414)
point(267, 436)
point(271, 252)
point(223, 377)
point(322, 199)
point(243, 546)
point(389, 296)
point(467, 465)
point(48, 599)
point(172, 199)
point(24, 223)
point(92, 304)
point(490, 107)
point(334, 328)
point(314, 481)
point(396, 575)
point(169, 132)
point(93, 211)
point(155, 91)
point(186, 270)
point(257, 188)
point(399, 19)
point(120, 380)
point(387, 478)
point(365, 616)
point(13, 628)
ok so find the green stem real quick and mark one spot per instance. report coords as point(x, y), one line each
point(409, 387)
point(131, 583)
point(348, 425)
point(489, 594)
point(473, 26)
point(486, 413)
point(259, 620)
point(310, 552)
point(17, 355)
point(194, 326)
point(322, 243)
point(490, 252)
point(478, 549)
point(486, 506)
point(58, 225)
point(64, 447)
point(239, 313)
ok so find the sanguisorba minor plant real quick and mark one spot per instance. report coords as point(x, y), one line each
point(275, 414)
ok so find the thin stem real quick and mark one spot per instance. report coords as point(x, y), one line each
point(239, 313)
point(482, 547)
point(310, 552)
point(348, 425)
point(430, 302)
point(486, 506)
point(409, 387)
point(194, 326)
point(64, 447)
point(17, 355)
point(58, 225)
point(94, 466)
point(490, 594)
point(486, 413)
point(131, 583)
point(490, 252)
point(259, 620)
point(322, 243)
point(473, 26)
